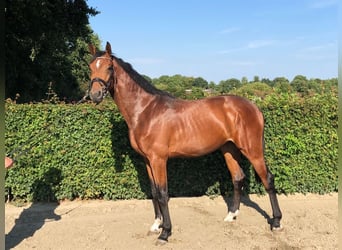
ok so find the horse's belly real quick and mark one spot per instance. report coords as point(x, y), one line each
point(196, 146)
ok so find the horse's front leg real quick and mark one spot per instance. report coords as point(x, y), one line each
point(163, 199)
point(156, 169)
point(158, 219)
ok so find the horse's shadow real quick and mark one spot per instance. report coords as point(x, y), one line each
point(245, 200)
point(126, 149)
point(34, 217)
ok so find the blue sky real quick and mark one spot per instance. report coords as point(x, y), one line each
point(222, 39)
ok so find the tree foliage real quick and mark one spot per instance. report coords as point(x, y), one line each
point(228, 85)
point(43, 45)
point(188, 87)
point(182, 86)
point(253, 90)
point(300, 84)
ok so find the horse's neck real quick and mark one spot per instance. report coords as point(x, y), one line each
point(130, 97)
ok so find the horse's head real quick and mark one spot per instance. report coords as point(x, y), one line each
point(102, 73)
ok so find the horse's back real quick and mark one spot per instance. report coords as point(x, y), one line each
point(229, 108)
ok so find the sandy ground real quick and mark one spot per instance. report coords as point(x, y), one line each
point(310, 222)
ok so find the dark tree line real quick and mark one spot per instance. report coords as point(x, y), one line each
point(45, 45)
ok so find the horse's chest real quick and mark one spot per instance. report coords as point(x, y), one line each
point(133, 140)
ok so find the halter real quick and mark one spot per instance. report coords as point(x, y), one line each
point(104, 85)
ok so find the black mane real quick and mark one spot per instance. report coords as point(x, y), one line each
point(140, 80)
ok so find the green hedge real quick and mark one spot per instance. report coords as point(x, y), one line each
point(83, 151)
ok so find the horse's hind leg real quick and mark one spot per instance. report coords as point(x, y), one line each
point(267, 179)
point(232, 157)
point(250, 140)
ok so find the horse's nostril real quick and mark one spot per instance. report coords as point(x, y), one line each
point(96, 96)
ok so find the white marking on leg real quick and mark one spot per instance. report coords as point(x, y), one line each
point(231, 216)
point(155, 227)
point(277, 229)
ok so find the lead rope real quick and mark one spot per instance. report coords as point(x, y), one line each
point(84, 98)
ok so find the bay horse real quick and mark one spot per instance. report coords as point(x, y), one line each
point(161, 127)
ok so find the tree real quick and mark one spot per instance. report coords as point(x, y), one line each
point(228, 85)
point(315, 85)
point(282, 84)
point(256, 79)
point(41, 38)
point(178, 85)
point(212, 85)
point(267, 81)
point(244, 80)
point(280, 80)
point(194, 93)
point(200, 82)
point(300, 84)
point(79, 58)
point(257, 89)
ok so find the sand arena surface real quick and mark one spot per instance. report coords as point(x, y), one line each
point(309, 221)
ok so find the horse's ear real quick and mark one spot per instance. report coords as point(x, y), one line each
point(92, 49)
point(108, 48)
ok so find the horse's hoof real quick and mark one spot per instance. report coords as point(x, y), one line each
point(160, 242)
point(277, 229)
point(162, 239)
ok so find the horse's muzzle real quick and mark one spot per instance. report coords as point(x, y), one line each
point(97, 96)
